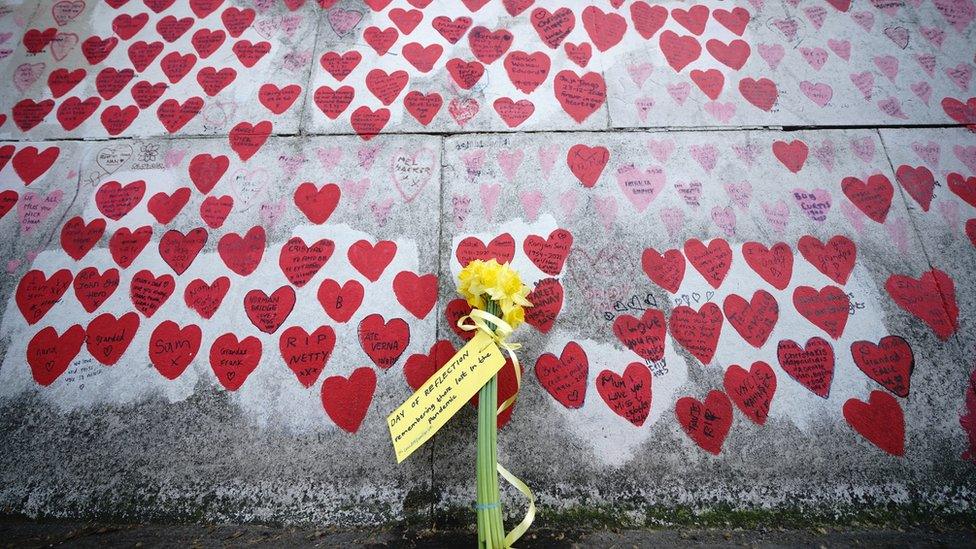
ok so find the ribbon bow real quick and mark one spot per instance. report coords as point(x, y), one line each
point(483, 321)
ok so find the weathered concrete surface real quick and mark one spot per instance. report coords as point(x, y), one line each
point(170, 434)
point(806, 454)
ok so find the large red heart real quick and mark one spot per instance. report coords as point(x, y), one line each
point(697, 331)
point(179, 250)
point(423, 107)
point(754, 319)
point(547, 300)
point(173, 115)
point(249, 53)
point(317, 203)
point(751, 391)
point(644, 336)
point(501, 248)
point(761, 92)
point(666, 270)
point(549, 254)
point(28, 113)
point(735, 20)
point(278, 100)
point(125, 245)
point(213, 81)
point(708, 423)
point(918, 182)
point(679, 51)
point(347, 400)
point(629, 396)
point(386, 87)
point(203, 8)
point(268, 312)
point(206, 170)
point(553, 27)
point(827, 308)
point(712, 261)
point(73, 111)
point(96, 49)
point(233, 361)
point(164, 207)
point(872, 197)
point(307, 354)
point(300, 263)
point(487, 46)
point(580, 96)
point(693, 19)
point(606, 30)
point(49, 354)
point(511, 112)
point(811, 366)
point(422, 57)
point(931, 298)
point(733, 55)
point(108, 337)
point(246, 139)
point(451, 29)
point(340, 302)
point(206, 41)
point(417, 293)
point(93, 288)
point(331, 102)
point(205, 298)
point(587, 163)
point(176, 65)
point(115, 201)
point(148, 292)
point(565, 378)
point(792, 155)
point(371, 259)
point(368, 123)
point(834, 259)
point(710, 82)
point(36, 293)
point(143, 53)
point(420, 367)
point(78, 238)
point(242, 254)
point(579, 54)
point(172, 348)
point(236, 21)
point(648, 19)
point(880, 420)
point(340, 65)
point(215, 209)
point(29, 163)
point(773, 264)
point(380, 39)
point(527, 71)
point(890, 362)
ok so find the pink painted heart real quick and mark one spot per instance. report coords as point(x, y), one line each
point(819, 93)
point(840, 47)
point(740, 193)
point(673, 219)
point(929, 152)
point(489, 198)
point(824, 152)
point(966, 155)
point(864, 82)
point(772, 54)
point(960, 75)
point(509, 161)
point(531, 203)
point(641, 187)
point(547, 158)
point(815, 204)
point(639, 73)
point(723, 112)
point(567, 202)
point(958, 13)
point(922, 90)
point(747, 152)
point(33, 209)
point(778, 215)
point(898, 35)
point(705, 155)
point(892, 107)
point(26, 74)
point(690, 192)
point(888, 65)
point(679, 92)
point(355, 190)
point(272, 212)
point(863, 148)
point(606, 210)
point(724, 218)
point(329, 157)
point(865, 19)
point(660, 150)
point(412, 170)
point(949, 210)
point(854, 215)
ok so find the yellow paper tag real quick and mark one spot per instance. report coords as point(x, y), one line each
point(450, 388)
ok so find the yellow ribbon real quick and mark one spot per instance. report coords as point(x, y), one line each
point(479, 321)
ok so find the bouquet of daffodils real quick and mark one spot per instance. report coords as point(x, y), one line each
point(498, 299)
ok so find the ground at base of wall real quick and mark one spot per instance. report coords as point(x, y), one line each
point(22, 533)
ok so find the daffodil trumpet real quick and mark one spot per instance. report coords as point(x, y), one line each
point(498, 299)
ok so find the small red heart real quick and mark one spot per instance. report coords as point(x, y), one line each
point(679, 51)
point(547, 300)
point(697, 331)
point(420, 367)
point(827, 308)
point(93, 288)
point(666, 270)
point(451, 29)
point(416, 293)
point(246, 139)
point(215, 209)
point(712, 261)
point(206, 170)
point(549, 254)
point(606, 30)
point(340, 65)
point(380, 39)
point(269, 312)
point(587, 163)
point(242, 254)
point(553, 27)
point(834, 259)
point(148, 292)
point(872, 197)
point(300, 262)
point(773, 264)
point(890, 362)
point(36, 293)
point(367, 123)
point(317, 203)
point(792, 155)
point(30, 164)
point(501, 248)
point(249, 53)
point(115, 200)
point(78, 238)
point(179, 250)
point(236, 21)
point(371, 259)
point(423, 107)
point(931, 298)
point(580, 96)
point(173, 115)
point(164, 207)
point(753, 319)
point(205, 298)
point(811, 366)
point(278, 100)
point(125, 245)
point(644, 336)
point(648, 19)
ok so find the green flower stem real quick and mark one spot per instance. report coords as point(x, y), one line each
point(491, 528)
